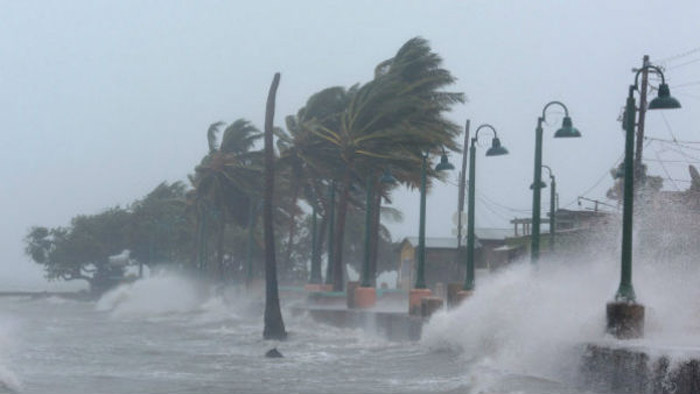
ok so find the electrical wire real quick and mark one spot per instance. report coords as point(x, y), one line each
point(678, 56)
point(684, 64)
point(686, 84)
point(605, 174)
point(663, 166)
point(652, 139)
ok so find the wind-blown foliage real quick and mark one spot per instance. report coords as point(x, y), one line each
point(154, 230)
point(225, 182)
point(349, 135)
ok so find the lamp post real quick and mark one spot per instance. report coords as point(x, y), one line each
point(420, 290)
point(331, 227)
point(567, 130)
point(315, 277)
point(495, 150)
point(365, 294)
point(252, 211)
point(625, 316)
point(552, 208)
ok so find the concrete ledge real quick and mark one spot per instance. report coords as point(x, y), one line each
point(631, 370)
point(326, 298)
point(395, 326)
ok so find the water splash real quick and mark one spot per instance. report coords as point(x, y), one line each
point(9, 382)
point(160, 294)
point(533, 321)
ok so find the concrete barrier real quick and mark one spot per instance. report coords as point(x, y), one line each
point(395, 326)
point(634, 370)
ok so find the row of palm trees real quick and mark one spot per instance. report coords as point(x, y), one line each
point(341, 139)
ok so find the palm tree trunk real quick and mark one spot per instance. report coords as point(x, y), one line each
point(286, 270)
point(338, 281)
point(274, 325)
point(196, 245)
point(219, 274)
point(374, 239)
point(322, 239)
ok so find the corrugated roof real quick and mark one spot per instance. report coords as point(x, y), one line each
point(487, 234)
point(493, 234)
point(439, 242)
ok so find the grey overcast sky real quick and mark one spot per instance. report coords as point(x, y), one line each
point(100, 101)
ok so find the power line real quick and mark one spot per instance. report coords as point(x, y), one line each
point(684, 64)
point(681, 85)
point(667, 161)
point(663, 166)
point(678, 56)
point(671, 141)
point(501, 205)
point(685, 94)
point(602, 177)
point(493, 211)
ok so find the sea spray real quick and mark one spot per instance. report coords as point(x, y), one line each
point(9, 382)
point(161, 294)
point(526, 319)
point(535, 321)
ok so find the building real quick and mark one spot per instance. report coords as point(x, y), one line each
point(445, 264)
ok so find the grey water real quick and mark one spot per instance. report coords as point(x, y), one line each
point(158, 337)
point(522, 332)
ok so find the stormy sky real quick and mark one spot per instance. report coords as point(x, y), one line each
point(101, 101)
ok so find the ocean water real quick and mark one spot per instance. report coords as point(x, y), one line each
point(521, 333)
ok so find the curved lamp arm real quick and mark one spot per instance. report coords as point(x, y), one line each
point(486, 125)
point(648, 67)
point(549, 170)
point(549, 104)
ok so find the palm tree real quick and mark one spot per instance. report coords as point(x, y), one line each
point(225, 181)
point(274, 325)
point(304, 157)
point(392, 119)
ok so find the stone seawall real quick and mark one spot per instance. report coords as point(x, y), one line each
point(640, 371)
point(395, 326)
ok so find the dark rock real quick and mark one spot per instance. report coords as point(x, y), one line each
point(273, 353)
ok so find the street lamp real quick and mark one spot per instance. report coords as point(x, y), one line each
point(625, 316)
point(365, 294)
point(252, 212)
point(331, 227)
point(315, 278)
point(420, 290)
point(495, 150)
point(566, 131)
point(552, 208)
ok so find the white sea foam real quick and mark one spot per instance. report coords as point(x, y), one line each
point(160, 294)
point(533, 321)
point(9, 382)
point(168, 295)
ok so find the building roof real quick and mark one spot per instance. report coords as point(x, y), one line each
point(485, 234)
point(434, 242)
point(493, 234)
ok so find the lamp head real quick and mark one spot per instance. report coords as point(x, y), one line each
point(388, 178)
point(664, 99)
point(567, 129)
point(542, 185)
point(496, 149)
point(444, 164)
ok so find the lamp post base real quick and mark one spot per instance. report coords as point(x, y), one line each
point(461, 296)
point(452, 290)
point(625, 319)
point(430, 305)
point(414, 300)
point(365, 297)
point(314, 287)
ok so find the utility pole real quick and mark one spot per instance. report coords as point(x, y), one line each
point(638, 172)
